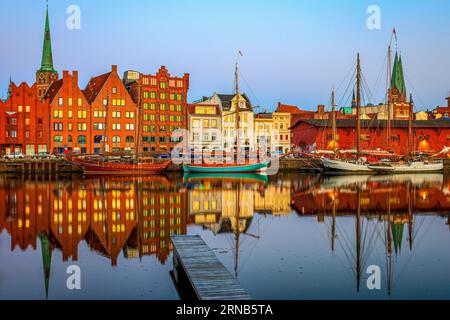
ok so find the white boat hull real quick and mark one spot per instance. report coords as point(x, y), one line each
point(413, 167)
point(344, 166)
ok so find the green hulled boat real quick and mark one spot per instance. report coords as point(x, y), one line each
point(225, 168)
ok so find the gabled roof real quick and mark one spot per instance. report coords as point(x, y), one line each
point(94, 87)
point(227, 98)
point(191, 109)
point(53, 90)
point(285, 108)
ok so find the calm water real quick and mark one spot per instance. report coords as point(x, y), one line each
point(287, 237)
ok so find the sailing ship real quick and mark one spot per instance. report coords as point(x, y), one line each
point(235, 166)
point(358, 165)
point(411, 165)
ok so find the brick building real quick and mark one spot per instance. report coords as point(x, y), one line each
point(162, 99)
point(113, 115)
point(70, 119)
point(431, 135)
point(24, 117)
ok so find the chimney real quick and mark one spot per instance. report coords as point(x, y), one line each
point(448, 101)
point(75, 77)
point(321, 109)
point(114, 68)
point(65, 75)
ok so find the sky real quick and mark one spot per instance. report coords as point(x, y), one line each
point(294, 51)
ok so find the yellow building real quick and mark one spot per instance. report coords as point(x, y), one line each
point(281, 132)
point(205, 127)
point(264, 131)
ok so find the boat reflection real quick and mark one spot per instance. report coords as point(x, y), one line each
point(129, 218)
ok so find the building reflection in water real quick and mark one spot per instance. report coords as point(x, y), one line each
point(137, 216)
point(390, 209)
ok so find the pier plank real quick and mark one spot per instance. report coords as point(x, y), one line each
point(207, 275)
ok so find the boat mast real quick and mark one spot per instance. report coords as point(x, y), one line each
point(238, 109)
point(358, 107)
point(389, 98)
point(411, 112)
point(333, 113)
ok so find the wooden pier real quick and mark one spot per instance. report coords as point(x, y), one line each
point(208, 277)
point(39, 168)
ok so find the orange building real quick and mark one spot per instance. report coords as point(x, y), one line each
point(113, 114)
point(163, 101)
point(70, 116)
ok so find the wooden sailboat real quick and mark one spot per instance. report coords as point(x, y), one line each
point(358, 165)
point(411, 165)
point(104, 166)
point(234, 167)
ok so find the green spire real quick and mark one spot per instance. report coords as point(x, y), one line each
point(47, 56)
point(46, 260)
point(397, 234)
point(398, 78)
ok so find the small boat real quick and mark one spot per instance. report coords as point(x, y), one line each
point(246, 177)
point(408, 167)
point(359, 166)
point(226, 168)
point(93, 167)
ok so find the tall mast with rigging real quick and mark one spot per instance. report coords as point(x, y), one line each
point(358, 107)
point(388, 144)
point(238, 109)
point(333, 113)
point(410, 118)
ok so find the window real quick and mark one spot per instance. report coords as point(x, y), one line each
point(82, 139)
point(163, 96)
point(116, 139)
point(70, 102)
point(60, 102)
point(58, 139)
point(162, 117)
point(152, 95)
point(27, 109)
point(163, 128)
point(179, 97)
point(196, 124)
point(163, 85)
point(163, 139)
point(153, 81)
point(39, 121)
point(129, 139)
point(70, 126)
point(114, 90)
point(20, 108)
point(99, 126)
point(171, 83)
point(58, 126)
point(129, 115)
point(129, 126)
point(82, 114)
point(179, 107)
point(105, 102)
point(69, 138)
point(82, 126)
point(116, 126)
point(27, 121)
point(80, 102)
point(70, 114)
point(116, 114)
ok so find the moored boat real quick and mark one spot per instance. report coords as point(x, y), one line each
point(226, 168)
point(358, 166)
point(408, 167)
point(93, 167)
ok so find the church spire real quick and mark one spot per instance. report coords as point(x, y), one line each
point(47, 56)
point(398, 78)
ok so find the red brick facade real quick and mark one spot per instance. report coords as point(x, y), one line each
point(113, 114)
point(430, 136)
point(163, 101)
point(24, 121)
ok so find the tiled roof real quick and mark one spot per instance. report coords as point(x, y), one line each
point(263, 116)
point(53, 90)
point(351, 123)
point(191, 109)
point(94, 87)
point(285, 108)
point(227, 98)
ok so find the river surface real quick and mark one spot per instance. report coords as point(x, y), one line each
point(284, 237)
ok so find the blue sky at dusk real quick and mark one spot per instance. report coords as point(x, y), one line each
point(294, 51)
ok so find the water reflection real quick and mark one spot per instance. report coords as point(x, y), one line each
point(135, 217)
